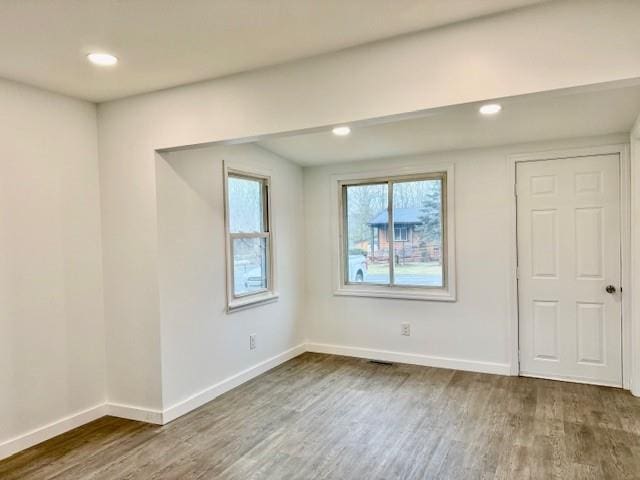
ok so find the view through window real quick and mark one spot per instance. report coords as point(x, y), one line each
point(413, 255)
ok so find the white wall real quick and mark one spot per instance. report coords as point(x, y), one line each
point(52, 354)
point(498, 56)
point(202, 345)
point(472, 333)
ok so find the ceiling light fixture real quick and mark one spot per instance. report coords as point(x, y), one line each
point(490, 108)
point(341, 131)
point(102, 59)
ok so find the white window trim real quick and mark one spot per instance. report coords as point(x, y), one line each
point(263, 296)
point(446, 294)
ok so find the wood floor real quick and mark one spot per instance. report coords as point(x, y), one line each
point(321, 416)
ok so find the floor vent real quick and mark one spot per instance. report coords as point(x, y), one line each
point(381, 362)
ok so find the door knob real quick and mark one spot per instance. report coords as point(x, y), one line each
point(610, 289)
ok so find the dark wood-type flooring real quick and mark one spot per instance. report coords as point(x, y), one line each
point(329, 417)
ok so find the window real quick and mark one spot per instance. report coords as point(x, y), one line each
point(249, 239)
point(400, 234)
point(394, 236)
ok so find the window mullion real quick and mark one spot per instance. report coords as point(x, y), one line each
point(390, 232)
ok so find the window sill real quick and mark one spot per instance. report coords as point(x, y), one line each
point(402, 293)
point(252, 301)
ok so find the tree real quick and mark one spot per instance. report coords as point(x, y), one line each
point(431, 213)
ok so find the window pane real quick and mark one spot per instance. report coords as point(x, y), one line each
point(417, 219)
point(367, 257)
point(245, 205)
point(249, 265)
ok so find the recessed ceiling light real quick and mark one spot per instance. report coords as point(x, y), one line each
point(490, 108)
point(103, 59)
point(341, 131)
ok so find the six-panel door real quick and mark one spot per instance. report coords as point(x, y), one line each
point(568, 254)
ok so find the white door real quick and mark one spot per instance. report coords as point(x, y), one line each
point(570, 316)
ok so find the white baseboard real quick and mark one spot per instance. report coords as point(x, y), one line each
point(134, 413)
point(162, 417)
point(412, 358)
point(29, 439)
point(209, 393)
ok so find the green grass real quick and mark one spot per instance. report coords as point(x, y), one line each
point(432, 268)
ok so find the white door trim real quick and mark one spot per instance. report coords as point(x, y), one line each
point(634, 164)
point(625, 238)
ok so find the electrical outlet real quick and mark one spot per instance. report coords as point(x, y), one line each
point(252, 342)
point(405, 329)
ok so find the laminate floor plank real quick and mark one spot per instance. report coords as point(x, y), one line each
point(328, 417)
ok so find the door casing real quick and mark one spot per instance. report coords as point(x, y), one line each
point(622, 150)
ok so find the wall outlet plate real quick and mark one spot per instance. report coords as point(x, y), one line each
point(252, 342)
point(405, 329)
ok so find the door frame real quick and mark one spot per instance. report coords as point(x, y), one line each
point(622, 150)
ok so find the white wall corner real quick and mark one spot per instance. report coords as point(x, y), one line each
point(208, 394)
point(130, 412)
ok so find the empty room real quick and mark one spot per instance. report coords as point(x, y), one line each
point(304, 239)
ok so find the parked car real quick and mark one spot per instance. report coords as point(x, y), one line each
point(248, 279)
point(357, 271)
point(254, 279)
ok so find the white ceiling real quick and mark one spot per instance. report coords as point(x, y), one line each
point(164, 43)
point(552, 115)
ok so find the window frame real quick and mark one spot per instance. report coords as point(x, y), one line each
point(264, 295)
point(414, 292)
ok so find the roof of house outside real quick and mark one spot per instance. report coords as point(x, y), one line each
point(400, 215)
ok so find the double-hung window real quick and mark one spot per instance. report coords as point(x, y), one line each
point(249, 239)
point(395, 236)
